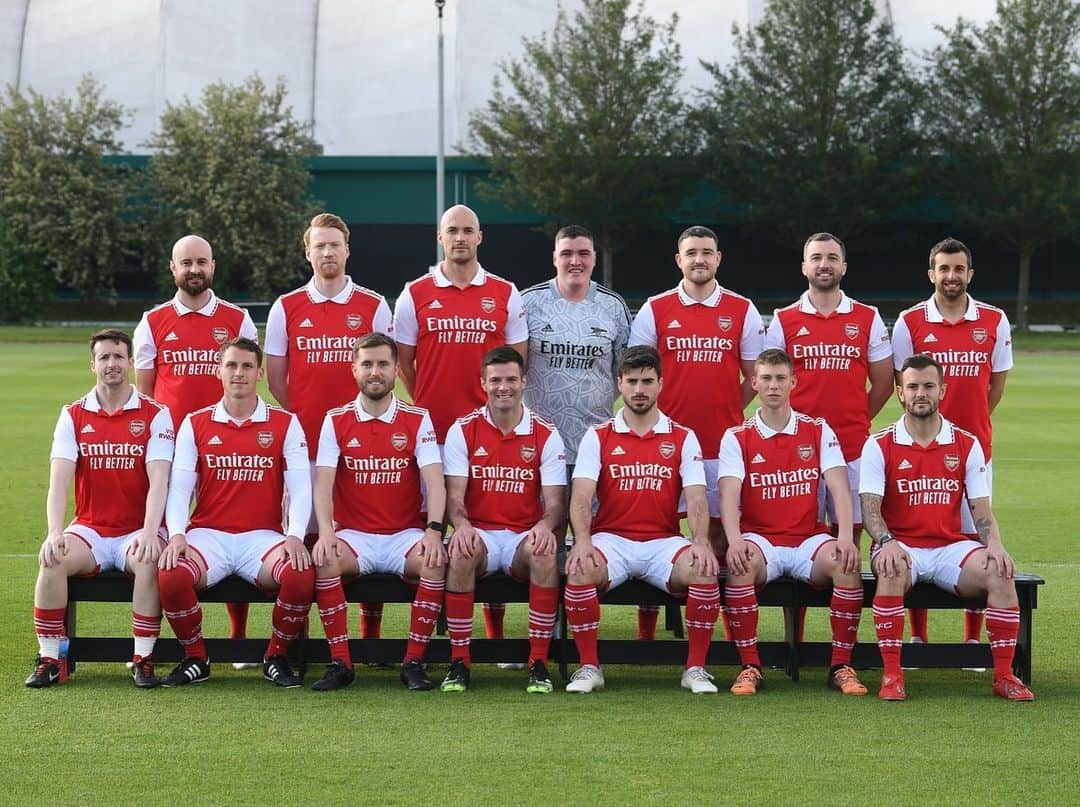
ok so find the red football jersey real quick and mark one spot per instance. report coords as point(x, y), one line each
point(452, 329)
point(832, 356)
point(639, 478)
point(781, 472)
point(505, 472)
point(923, 489)
point(240, 466)
point(378, 462)
point(184, 348)
point(701, 346)
point(317, 335)
point(969, 350)
point(110, 453)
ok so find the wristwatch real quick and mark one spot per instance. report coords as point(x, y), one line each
point(437, 526)
point(884, 539)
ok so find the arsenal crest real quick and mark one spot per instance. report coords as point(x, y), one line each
point(353, 321)
point(220, 334)
point(806, 451)
point(137, 427)
point(667, 450)
point(724, 322)
point(399, 440)
point(265, 439)
point(851, 330)
point(979, 335)
point(952, 462)
point(528, 453)
point(488, 304)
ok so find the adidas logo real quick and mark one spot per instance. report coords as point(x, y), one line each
point(87, 429)
point(803, 331)
point(618, 451)
point(480, 452)
point(757, 460)
point(172, 337)
point(434, 304)
point(353, 443)
point(214, 441)
point(674, 324)
point(547, 329)
point(929, 338)
point(306, 323)
point(904, 465)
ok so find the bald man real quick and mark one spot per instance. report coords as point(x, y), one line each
point(178, 346)
point(444, 324)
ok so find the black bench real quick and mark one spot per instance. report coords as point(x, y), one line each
point(784, 593)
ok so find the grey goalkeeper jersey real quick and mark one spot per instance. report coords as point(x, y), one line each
point(574, 351)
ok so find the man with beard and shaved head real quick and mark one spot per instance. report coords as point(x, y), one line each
point(973, 342)
point(178, 350)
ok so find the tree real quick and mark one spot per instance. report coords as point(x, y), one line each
point(23, 286)
point(62, 203)
point(811, 125)
point(231, 169)
point(591, 126)
point(1005, 114)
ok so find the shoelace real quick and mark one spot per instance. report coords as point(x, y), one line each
point(698, 674)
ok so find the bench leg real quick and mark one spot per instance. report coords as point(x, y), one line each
point(791, 638)
point(673, 620)
point(563, 643)
point(1022, 656)
point(70, 615)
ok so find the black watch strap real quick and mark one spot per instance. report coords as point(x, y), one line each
point(438, 526)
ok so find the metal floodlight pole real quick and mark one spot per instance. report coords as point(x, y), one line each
point(440, 157)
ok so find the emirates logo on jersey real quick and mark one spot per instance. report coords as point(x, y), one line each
point(488, 304)
point(667, 450)
point(952, 462)
point(137, 427)
point(851, 330)
point(265, 439)
point(528, 453)
point(979, 335)
point(724, 322)
point(399, 440)
point(220, 334)
point(353, 321)
point(806, 451)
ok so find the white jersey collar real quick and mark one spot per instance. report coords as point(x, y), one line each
point(386, 417)
point(207, 310)
point(92, 404)
point(807, 307)
point(663, 425)
point(318, 297)
point(442, 281)
point(711, 301)
point(260, 415)
point(945, 437)
point(933, 313)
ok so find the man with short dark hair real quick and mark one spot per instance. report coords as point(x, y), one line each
point(240, 457)
point(915, 477)
point(708, 338)
point(505, 477)
point(117, 446)
point(973, 342)
point(638, 464)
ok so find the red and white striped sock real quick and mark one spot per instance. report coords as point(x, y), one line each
point(702, 609)
point(334, 615)
point(145, 629)
point(583, 617)
point(889, 626)
point(494, 614)
point(647, 616)
point(459, 624)
point(294, 596)
point(845, 611)
point(50, 630)
point(543, 606)
point(1003, 626)
point(424, 615)
point(741, 606)
point(973, 625)
point(371, 620)
point(180, 604)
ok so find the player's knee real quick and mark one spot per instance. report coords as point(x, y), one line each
point(142, 569)
point(542, 563)
point(175, 580)
point(296, 578)
point(329, 569)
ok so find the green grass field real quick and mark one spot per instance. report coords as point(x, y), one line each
point(97, 740)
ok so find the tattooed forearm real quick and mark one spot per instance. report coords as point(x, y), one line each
point(873, 523)
point(983, 527)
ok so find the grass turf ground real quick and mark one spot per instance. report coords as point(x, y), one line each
point(97, 740)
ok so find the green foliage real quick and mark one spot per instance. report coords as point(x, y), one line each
point(62, 204)
point(583, 127)
point(230, 168)
point(811, 125)
point(23, 286)
point(1006, 115)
